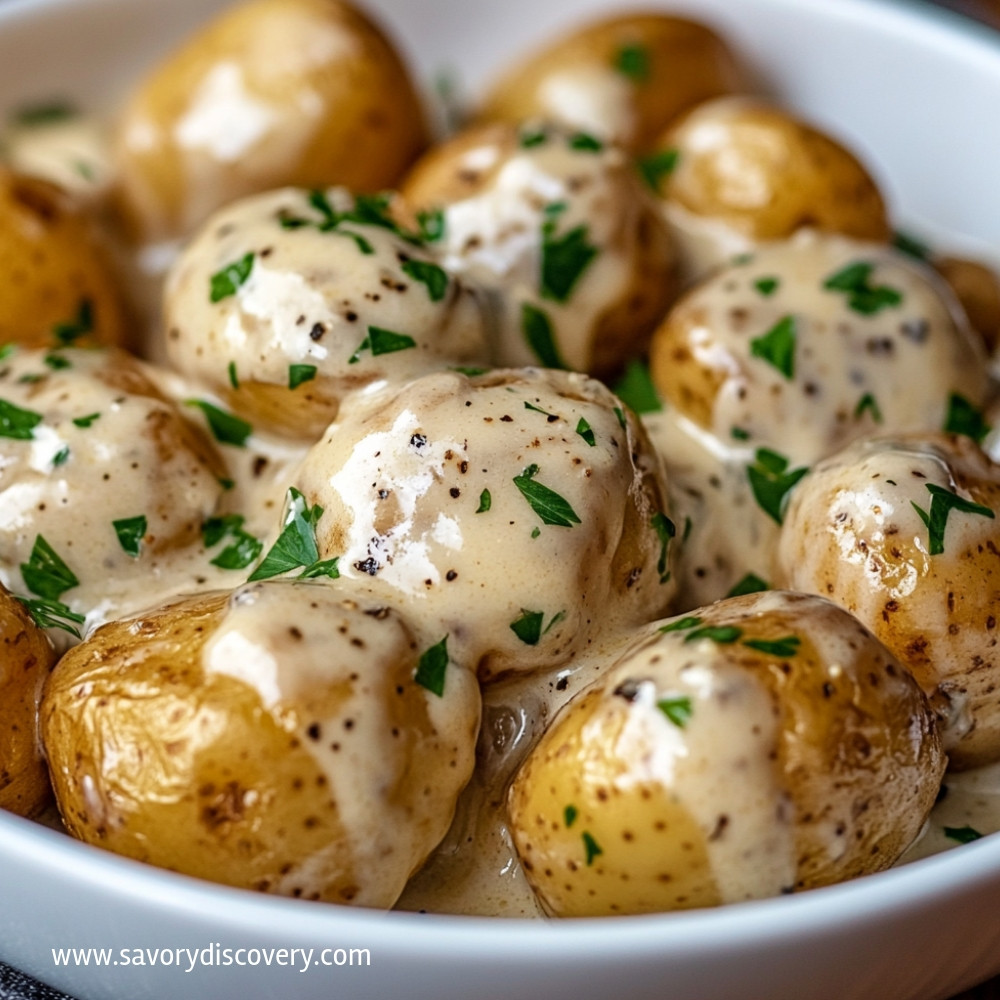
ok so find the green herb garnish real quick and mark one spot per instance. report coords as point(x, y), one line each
point(635, 388)
point(964, 418)
point(431, 225)
point(297, 374)
point(243, 549)
point(723, 634)
point(432, 666)
point(633, 61)
point(657, 166)
point(570, 814)
point(434, 277)
point(868, 403)
point(17, 423)
point(60, 457)
point(585, 143)
point(911, 246)
point(739, 434)
point(296, 545)
point(538, 334)
point(45, 574)
point(962, 834)
point(586, 432)
point(677, 710)
point(682, 624)
point(546, 503)
point(529, 138)
point(564, 259)
point(784, 647)
point(591, 847)
point(72, 331)
point(226, 427)
point(47, 113)
point(767, 286)
point(750, 584)
point(233, 377)
point(665, 530)
point(380, 341)
point(57, 362)
point(863, 297)
point(777, 346)
point(485, 502)
point(943, 502)
point(620, 414)
point(52, 614)
point(230, 279)
point(771, 483)
point(130, 532)
point(85, 422)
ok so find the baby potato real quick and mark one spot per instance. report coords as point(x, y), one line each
point(57, 285)
point(283, 738)
point(902, 532)
point(738, 171)
point(810, 343)
point(623, 78)
point(288, 300)
point(102, 481)
point(558, 227)
point(270, 93)
point(978, 289)
point(764, 745)
point(26, 657)
point(529, 496)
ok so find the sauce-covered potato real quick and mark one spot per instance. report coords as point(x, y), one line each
point(764, 745)
point(272, 92)
point(521, 513)
point(558, 226)
point(26, 657)
point(57, 284)
point(284, 738)
point(738, 171)
point(810, 343)
point(623, 78)
point(902, 532)
point(288, 300)
point(102, 480)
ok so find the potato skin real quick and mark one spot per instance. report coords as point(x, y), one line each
point(167, 743)
point(977, 287)
point(26, 657)
point(852, 533)
point(54, 271)
point(786, 769)
point(632, 74)
point(764, 173)
point(271, 93)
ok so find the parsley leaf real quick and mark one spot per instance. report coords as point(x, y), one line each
point(869, 403)
point(564, 259)
point(434, 277)
point(297, 374)
point(131, 531)
point(230, 279)
point(47, 113)
point(546, 503)
point(85, 422)
point(635, 388)
point(380, 341)
point(767, 286)
point(57, 362)
point(70, 332)
point(750, 584)
point(784, 647)
point(724, 634)
point(45, 574)
point(677, 710)
point(485, 502)
point(943, 502)
point(862, 296)
point(633, 61)
point(657, 166)
point(771, 484)
point(665, 530)
point(226, 428)
point(777, 346)
point(528, 138)
point(570, 814)
point(538, 333)
point(591, 847)
point(430, 225)
point(964, 418)
point(243, 549)
point(528, 627)
point(17, 423)
point(431, 667)
point(586, 432)
point(585, 143)
point(296, 545)
point(234, 380)
point(325, 567)
point(52, 614)
point(962, 834)
point(682, 624)
point(911, 246)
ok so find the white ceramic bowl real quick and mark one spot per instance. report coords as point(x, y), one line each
point(918, 93)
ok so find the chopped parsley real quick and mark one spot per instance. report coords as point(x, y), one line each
point(296, 545)
point(226, 427)
point(635, 388)
point(552, 418)
point(469, 372)
point(564, 259)
point(677, 710)
point(60, 457)
point(242, 550)
point(962, 834)
point(723, 634)
point(7, 351)
point(665, 530)
point(633, 61)
point(82, 324)
point(130, 532)
point(911, 246)
point(784, 647)
point(682, 624)
point(862, 296)
point(381, 341)
point(750, 584)
point(430, 225)
point(528, 627)
point(297, 374)
point(230, 279)
point(432, 666)
point(52, 614)
point(585, 143)
point(868, 403)
point(17, 423)
point(767, 286)
point(57, 362)
point(45, 574)
point(739, 434)
point(658, 165)
point(771, 483)
point(964, 418)
point(85, 422)
point(538, 333)
point(777, 346)
point(485, 502)
point(620, 414)
point(529, 138)
point(586, 432)
point(546, 503)
point(234, 380)
point(570, 814)
point(943, 502)
point(46, 113)
point(591, 847)
point(431, 275)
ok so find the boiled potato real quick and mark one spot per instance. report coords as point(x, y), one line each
point(810, 343)
point(284, 738)
point(765, 745)
point(103, 483)
point(26, 657)
point(902, 532)
point(557, 225)
point(623, 78)
point(978, 289)
point(287, 301)
point(738, 171)
point(528, 496)
point(272, 92)
point(57, 285)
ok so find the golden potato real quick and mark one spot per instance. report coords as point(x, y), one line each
point(283, 738)
point(623, 78)
point(738, 171)
point(287, 301)
point(270, 93)
point(57, 285)
point(521, 512)
point(558, 226)
point(978, 289)
point(812, 342)
point(764, 745)
point(26, 657)
point(903, 533)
